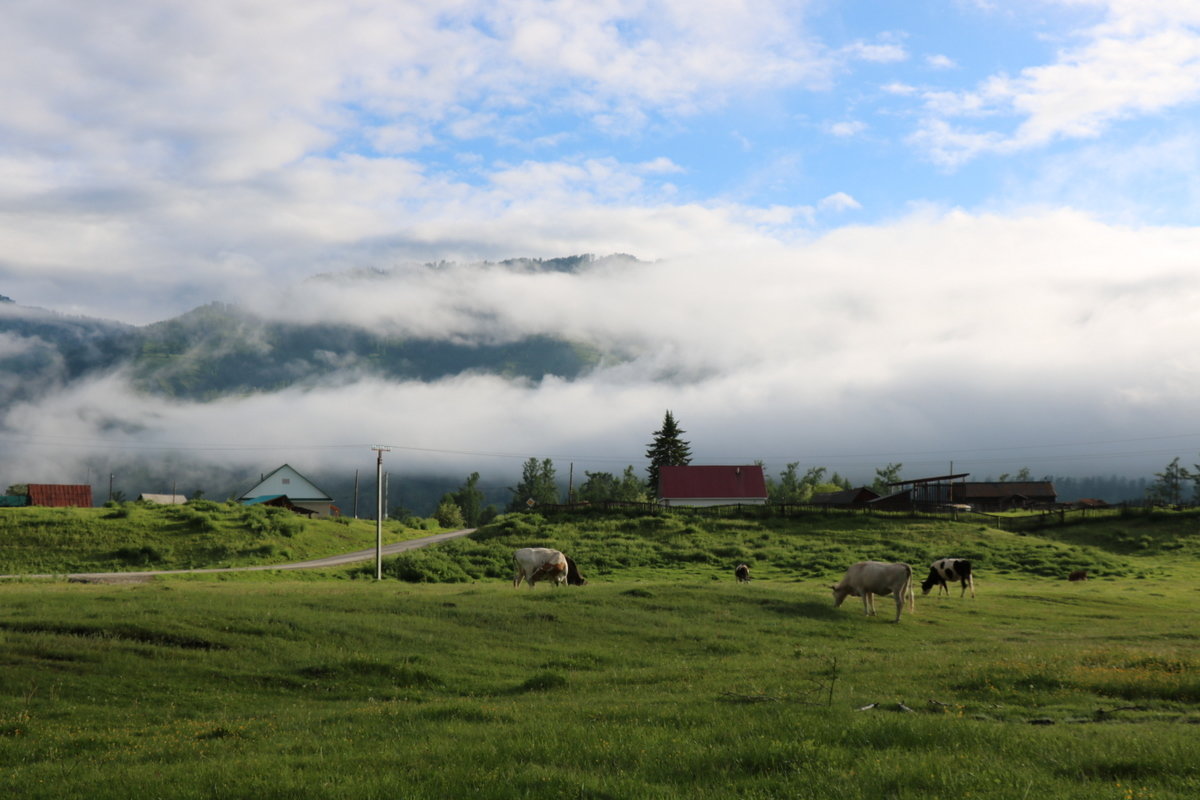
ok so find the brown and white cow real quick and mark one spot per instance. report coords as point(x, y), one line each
point(948, 570)
point(742, 573)
point(869, 578)
point(535, 564)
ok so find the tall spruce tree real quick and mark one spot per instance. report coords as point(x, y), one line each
point(667, 450)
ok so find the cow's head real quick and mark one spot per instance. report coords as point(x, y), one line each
point(574, 578)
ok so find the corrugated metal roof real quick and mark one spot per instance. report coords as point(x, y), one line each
point(60, 495)
point(717, 482)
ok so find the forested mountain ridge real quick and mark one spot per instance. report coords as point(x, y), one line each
point(218, 350)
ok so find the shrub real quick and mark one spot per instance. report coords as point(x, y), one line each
point(139, 556)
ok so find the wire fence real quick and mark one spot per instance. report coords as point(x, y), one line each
point(1008, 521)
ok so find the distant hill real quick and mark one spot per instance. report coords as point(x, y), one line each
point(218, 350)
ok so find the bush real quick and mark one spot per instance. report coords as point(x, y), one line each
point(139, 556)
point(422, 566)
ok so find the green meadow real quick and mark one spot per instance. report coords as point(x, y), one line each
point(661, 678)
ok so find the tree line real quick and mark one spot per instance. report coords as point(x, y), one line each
point(539, 484)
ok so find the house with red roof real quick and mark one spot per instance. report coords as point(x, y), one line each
point(712, 486)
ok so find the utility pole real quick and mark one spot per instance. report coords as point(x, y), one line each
point(379, 510)
point(356, 494)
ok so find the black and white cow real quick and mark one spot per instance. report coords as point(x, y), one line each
point(869, 578)
point(949, 569)
point(742, 573)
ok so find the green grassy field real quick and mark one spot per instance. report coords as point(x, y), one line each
point(201, 534)
point(662, 678)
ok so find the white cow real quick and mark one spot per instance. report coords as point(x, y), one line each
point(868, 578)
point(541, 563)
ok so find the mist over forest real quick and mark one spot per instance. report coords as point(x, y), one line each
point(210, 400)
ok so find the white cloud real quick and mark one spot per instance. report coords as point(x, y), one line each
point(883, 52)
point(839, 201)
point(1142, 59)
point(900, 336)
point(847, 129)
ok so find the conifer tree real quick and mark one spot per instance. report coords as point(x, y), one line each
point(667, 450)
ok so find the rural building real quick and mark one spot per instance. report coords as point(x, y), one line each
point(162, 499)
point(60, 495)
point(279, 501)
point(896, 501)
point(712, 486)
point(1002, 496)
point(295, 490)
point(13, 500)
point(848, 498)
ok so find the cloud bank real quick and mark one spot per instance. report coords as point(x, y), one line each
point(857, 240)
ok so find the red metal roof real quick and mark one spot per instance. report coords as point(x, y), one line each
point(728, 483)
point(60, 495)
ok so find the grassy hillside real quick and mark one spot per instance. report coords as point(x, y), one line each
point(662, 678)
point(809, 548)
point(133, 536)
point(626, 688)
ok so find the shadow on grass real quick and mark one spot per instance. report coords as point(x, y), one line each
point(809, 609)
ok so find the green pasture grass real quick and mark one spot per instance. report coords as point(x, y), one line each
point(809, 548)
point(200, 534)
point(630, 687)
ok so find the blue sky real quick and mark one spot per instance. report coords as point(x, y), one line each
point(864, 226)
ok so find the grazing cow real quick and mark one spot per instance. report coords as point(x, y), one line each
point(868, 578)
point(1078, 575)
point(949, 569)
point(534, 564)
point(742, 573)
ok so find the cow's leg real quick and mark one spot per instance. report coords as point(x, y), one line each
point(517, 578)
point(899, 604)
point(869, 604)
point(969, 582)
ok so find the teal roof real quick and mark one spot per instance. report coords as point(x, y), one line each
point(265, 498)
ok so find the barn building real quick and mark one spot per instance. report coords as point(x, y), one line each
point(60, 495)
point(712, 486)
point(1003, 496)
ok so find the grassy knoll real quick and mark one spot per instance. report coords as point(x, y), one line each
point(662, 678)
point(136, 536)
point(808, 548)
